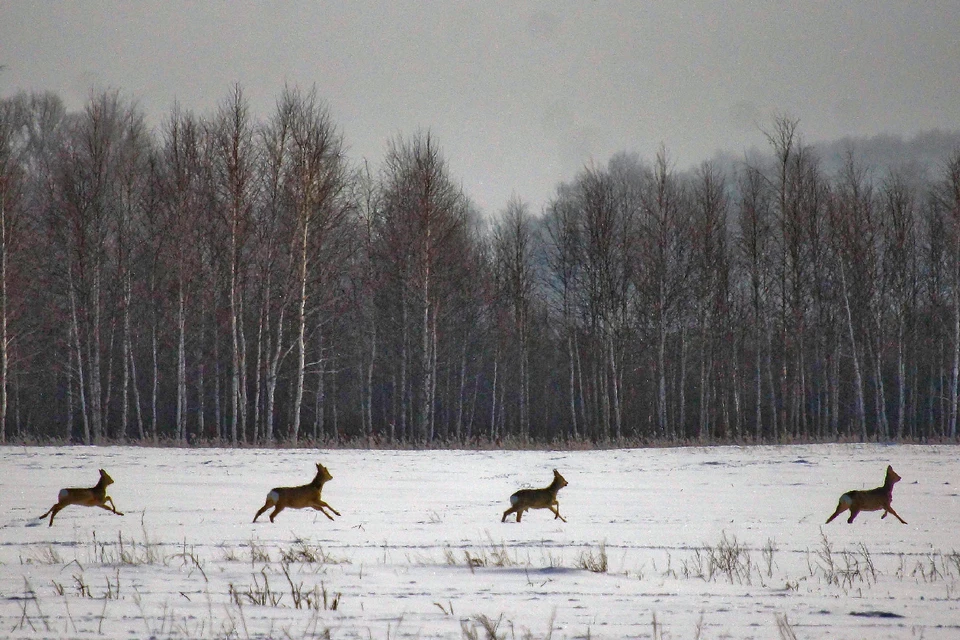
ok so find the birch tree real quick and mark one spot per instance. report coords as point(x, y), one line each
point(84, 227)
point(232, 157)
point(946, 197)
point(13, 148)
point(182, 187)
point(423, 209)
point(513, 240)
point(316, 181)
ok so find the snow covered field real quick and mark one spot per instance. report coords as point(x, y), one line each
point(723, 542)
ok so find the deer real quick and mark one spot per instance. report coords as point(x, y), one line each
point(301, 497)
point(545, 498)
point(95, 496)
point(870, 500)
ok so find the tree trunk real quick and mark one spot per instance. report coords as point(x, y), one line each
point(201, 406)
point(681, 394)
point(141, 434)
point(432, 395)
point(181, 434)
point(273, 366)
point(260, 364)
point(301, 335)
point(774, 413)
point(368, 392)
point(155, 387)
point(615, 386)
point(319, 421)
point(4, 335)
point(493, 395)
point(235, 341)
point(665, 431)
point(94, 359)
point(461, 395)
point(573, 390)
point(79, 356)
point(524, 386)
point(423, 408)
point(404, 365)
point(583, 400)
point(860, 407)
point(758, 379)
point(955, 370)
point(126, 357)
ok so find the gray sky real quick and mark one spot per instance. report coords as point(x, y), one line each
point(520, 95)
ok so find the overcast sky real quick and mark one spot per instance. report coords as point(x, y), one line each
point(519, 95)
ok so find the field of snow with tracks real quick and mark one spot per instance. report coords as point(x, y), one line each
point(718, 542)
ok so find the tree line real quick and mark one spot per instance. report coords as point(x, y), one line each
point(235, 279)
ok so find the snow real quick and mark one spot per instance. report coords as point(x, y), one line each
point(719, 542)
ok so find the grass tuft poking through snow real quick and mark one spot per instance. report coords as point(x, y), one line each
point(595, 561)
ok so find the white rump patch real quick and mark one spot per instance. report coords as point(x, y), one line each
point(62, 495)
point(514, 500)
point(846, 499)
point(273, 497)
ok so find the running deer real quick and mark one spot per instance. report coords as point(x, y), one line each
point(302, 497)
point(95, 496)
point(545, 498)
point(870, 500)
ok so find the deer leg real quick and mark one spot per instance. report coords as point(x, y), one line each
point(840, 509)
point(556, 513)
point(113, 507)
point(890, 510)
point(54, 511)
point(277, 510)
point(324, 504)
point(853, 514)
point(503, 519)
point(262, 509)
point(319, 507)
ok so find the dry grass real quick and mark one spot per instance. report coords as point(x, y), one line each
point(595, 561)
point(296, 576)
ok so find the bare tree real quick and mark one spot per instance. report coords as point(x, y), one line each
point(754, 248)
point(423, 210)
point(84, 226)
point(947, 199)
point(182, 177)
point(513, 239)
point(233, 160)
point(563, 258)
point(901, 254)
point(709, 278)
point(663, 277)
point(13, 149)
point(315, 177)
point(856, 237)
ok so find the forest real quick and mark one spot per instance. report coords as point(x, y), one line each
point(236, 279)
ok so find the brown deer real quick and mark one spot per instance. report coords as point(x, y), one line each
point(301, 497)
point(870, 500)
point(545, 498)
point(95, 496)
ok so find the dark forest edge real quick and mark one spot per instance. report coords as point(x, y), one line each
point(227, 279)
point(476, 444)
